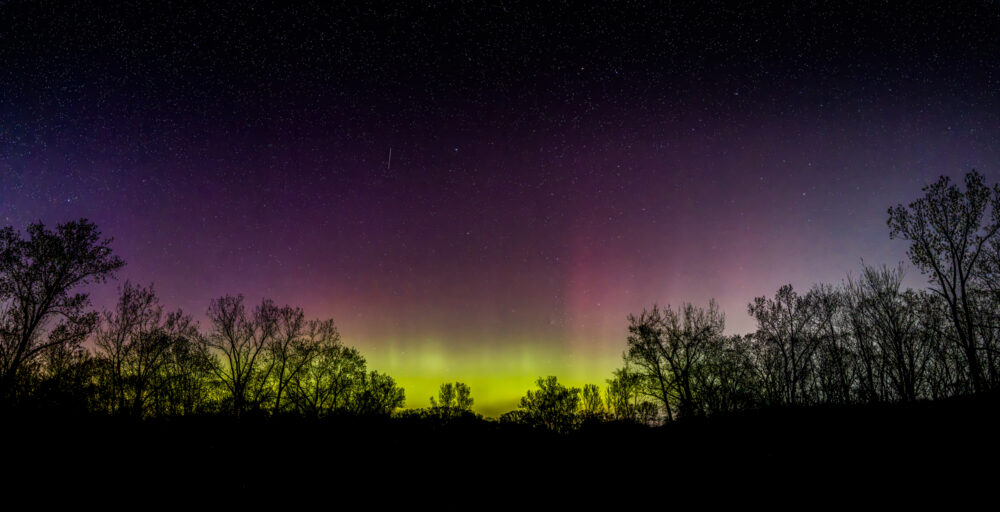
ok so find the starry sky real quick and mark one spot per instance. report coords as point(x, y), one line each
point(552, 169)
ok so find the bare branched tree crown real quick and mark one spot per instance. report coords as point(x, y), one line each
point(950, 231)
point(37, 275)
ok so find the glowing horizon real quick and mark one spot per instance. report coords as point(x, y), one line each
point(498, 377)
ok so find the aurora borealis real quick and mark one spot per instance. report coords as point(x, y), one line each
point(553, 169)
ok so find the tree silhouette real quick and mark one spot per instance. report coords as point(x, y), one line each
point(291, 348)
point(186, 385)
point(625, 395)
point(787, 331)
point(726, 380)
point(552, 406)
point(59, 378)
point(331, 379)
point(241, 340)
point(949, 231)
point(453, 399)
point(865, 341)
point(37, 274)
point(893, 357)
point(133, 348)
point(377, 395)
point(591, 405)
point(669, 348)
point(645, 357)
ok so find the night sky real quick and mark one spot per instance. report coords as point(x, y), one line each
point(552, 169)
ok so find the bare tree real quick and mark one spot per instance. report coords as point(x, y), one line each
point(37, 274)
point(668, 347)
point(886, 328)
point(935, 332)
point(833, 376)
point(240, 340)
point(725, 381)
point(625, 393)
point(645, 358)
point(787, 331)
point(331, 378)
point(948, 230)
point(61, 376)
point(591, 404)
point(186, 372)
point(292, 347)
point(132, 344)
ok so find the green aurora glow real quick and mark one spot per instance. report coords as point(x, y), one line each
point(498, 375)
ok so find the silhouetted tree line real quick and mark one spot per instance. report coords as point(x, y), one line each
point(865, 341)
point(149, 362)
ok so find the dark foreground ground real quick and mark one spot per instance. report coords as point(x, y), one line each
point(825, 450)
